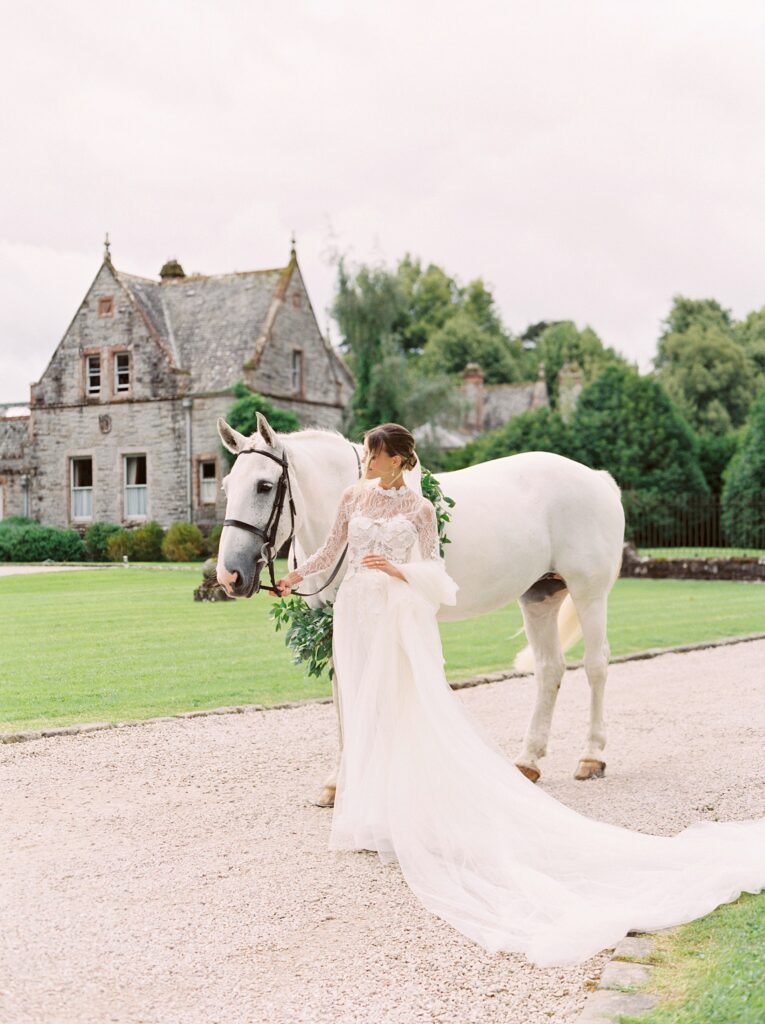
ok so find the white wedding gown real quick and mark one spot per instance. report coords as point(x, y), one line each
point(479, 844)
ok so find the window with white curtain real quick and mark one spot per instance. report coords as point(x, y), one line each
point(93, 365)
point(207, 481)
point(135, 486)
point(82, 488)
point(121, 372)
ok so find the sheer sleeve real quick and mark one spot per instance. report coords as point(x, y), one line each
point(428, 576)
point(337, 537)
point(427, 530)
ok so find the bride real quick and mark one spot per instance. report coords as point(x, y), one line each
point(421, 784)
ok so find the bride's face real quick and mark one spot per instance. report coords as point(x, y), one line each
point(380, 464)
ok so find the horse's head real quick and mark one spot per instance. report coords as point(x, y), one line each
point(251, 490)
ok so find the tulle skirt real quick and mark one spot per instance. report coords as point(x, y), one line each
point(479, 844)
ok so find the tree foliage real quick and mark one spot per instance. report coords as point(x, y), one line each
point(409, 333)
point(628, 425)
point(242, 415)
point(704, 367)
point(751, 335)
point(562, 342)
point(461, 340)
point(743, 496)
point(387, 319)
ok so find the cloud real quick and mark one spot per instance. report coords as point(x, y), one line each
point(589, 159)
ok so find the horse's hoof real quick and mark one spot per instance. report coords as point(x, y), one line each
point(532, 774)
point(326, 798)
point(590, 769)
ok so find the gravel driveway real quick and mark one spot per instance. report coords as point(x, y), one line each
point(173, 873)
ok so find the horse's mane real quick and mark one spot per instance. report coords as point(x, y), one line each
point(312, 434)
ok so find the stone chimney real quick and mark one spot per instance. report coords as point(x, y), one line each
point(171, 269)
point(570, 384)
point(472, 389)
point(539, 397)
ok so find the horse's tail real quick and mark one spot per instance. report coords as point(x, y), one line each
point(569, 631)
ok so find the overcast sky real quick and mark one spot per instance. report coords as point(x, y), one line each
point(587, 159)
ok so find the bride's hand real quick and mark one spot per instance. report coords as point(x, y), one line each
point(286, 583)
point(381, 563)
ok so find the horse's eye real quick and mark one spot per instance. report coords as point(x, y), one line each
point(265, 486)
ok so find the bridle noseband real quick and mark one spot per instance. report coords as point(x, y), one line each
point(268, 551)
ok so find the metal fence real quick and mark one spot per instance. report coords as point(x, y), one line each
point(686, 521)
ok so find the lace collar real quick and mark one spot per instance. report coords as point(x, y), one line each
point(389, 492)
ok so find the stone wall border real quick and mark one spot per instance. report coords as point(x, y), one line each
point(239, 709)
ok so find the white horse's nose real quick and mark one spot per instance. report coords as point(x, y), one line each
point(227, 579)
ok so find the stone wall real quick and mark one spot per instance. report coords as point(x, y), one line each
point(733, 568)
point(107, 434)
point(15, 464)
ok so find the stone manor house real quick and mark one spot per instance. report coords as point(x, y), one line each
point(121, 425)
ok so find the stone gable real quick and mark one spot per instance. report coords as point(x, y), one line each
point(130, 398)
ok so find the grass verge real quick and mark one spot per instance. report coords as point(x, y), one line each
point(711, 971)
point(111, 644)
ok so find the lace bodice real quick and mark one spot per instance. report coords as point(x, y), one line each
point(381, 521)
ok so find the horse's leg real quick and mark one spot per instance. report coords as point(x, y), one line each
point(539, 606)
point(326, 797)
point(593, 617)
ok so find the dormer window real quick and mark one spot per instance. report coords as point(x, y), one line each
point(121, 373)
point(93, 375)
point(106, 305)
point(297, 371)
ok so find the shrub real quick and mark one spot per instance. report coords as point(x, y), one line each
point(242, 416)
point(12, 521)
point(96, 538)
point(147, 542)
point(119, 544)
point(743, 496)
point(35, 543)
point(183, 543)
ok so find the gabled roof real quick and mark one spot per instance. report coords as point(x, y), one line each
point(209, 324)
point(214, 325)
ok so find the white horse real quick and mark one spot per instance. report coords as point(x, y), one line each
point(535, 528)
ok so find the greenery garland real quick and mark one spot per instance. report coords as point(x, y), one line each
point(309, 630)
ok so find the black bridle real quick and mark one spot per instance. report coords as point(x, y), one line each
point(268, 551)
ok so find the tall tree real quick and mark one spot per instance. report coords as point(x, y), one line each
point(561, 342)
point(407, 332)
point(703, 366)
point(461, 340)
point(751, 334)
point(371, 308)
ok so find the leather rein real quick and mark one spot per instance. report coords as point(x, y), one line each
point(268, 550)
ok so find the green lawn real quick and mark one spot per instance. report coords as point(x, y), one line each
point(712, 971)
point(112, 644)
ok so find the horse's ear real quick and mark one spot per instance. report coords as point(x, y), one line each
point(231, 438)
point(264, 427)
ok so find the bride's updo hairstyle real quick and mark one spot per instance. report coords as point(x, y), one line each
point(395, 440)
